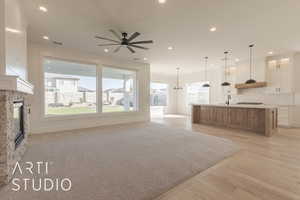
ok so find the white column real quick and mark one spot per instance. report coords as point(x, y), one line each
point(134, 89)
point(126, 94)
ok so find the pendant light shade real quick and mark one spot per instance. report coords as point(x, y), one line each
point(225, 83)
point(206, 84)
point(251, 80)
point(177, 87)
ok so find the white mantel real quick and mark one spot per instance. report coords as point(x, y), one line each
point(14, 83)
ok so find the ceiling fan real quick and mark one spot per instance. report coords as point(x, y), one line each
point(123, 40)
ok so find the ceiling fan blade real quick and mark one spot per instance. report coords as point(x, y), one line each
point(133, 36)
point(103, 38)
point(117, 49)
point(140, 47)
point(142, 42)
point(103, 45)
point(115, 34)
point(130, 49)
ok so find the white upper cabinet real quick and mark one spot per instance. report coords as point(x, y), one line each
point(279, 74)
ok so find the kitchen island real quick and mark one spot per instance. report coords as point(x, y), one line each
point(257, 118)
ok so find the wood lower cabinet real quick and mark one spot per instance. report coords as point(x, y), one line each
point(237, 117)
point(220, 116)
point(260, 120)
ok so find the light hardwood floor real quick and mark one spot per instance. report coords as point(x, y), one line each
point(264, 169)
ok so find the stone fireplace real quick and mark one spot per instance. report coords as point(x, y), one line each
point(14, 121)
point(18, 122)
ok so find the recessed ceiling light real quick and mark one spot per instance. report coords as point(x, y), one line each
point(12, 30)
point(170, 48)
point(43, 9)
point(237, 60)
point(270, 53)
point(213, 29)
point(145, 59)
point(106, 50)
point(45, 37)
point(162, 1)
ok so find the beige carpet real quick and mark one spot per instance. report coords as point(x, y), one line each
point(127, 162)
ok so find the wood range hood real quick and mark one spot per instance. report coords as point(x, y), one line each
point(251, 85)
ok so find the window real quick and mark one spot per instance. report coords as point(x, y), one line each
point(158, 98)
point(119, 92)
point(197, 94)
point(70, 88)
point(159, 94)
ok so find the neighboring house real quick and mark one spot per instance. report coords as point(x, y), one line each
point(65, 91)
point(62, 84)
point(117, 97)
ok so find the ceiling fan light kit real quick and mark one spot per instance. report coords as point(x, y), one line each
point(251, 80)
point(123, 41)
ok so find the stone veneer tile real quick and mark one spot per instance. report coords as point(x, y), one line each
point(8, 154)
point(2, 158)
point(3, 170)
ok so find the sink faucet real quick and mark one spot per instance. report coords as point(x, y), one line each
point(228, 99)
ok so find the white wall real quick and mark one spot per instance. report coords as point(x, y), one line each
point(241, 71)
point(2, 37)
point(172, 95)
point(297, 72)
point(40, 123)
point(16, 43)
point(214, 76)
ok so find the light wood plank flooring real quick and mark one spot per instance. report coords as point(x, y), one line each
point(264, 169)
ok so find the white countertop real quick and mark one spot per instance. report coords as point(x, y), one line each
point(238, 106)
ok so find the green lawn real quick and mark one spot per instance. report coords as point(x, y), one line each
point(81, 110)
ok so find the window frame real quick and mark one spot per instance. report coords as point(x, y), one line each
point(137, 107)
point(47, 116)
point(99, 106)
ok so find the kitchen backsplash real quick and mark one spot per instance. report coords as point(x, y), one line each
point(278, 99)
point(260, 95)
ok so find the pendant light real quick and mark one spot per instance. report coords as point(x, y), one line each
point(177, 87)
point(226, 83)
point(206, 84)
point(250, 81)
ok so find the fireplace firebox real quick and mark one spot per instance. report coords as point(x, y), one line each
point(19, 122)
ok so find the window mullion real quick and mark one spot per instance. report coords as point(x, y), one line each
point(99, 90)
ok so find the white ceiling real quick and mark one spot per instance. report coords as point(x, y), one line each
point(273, 25)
